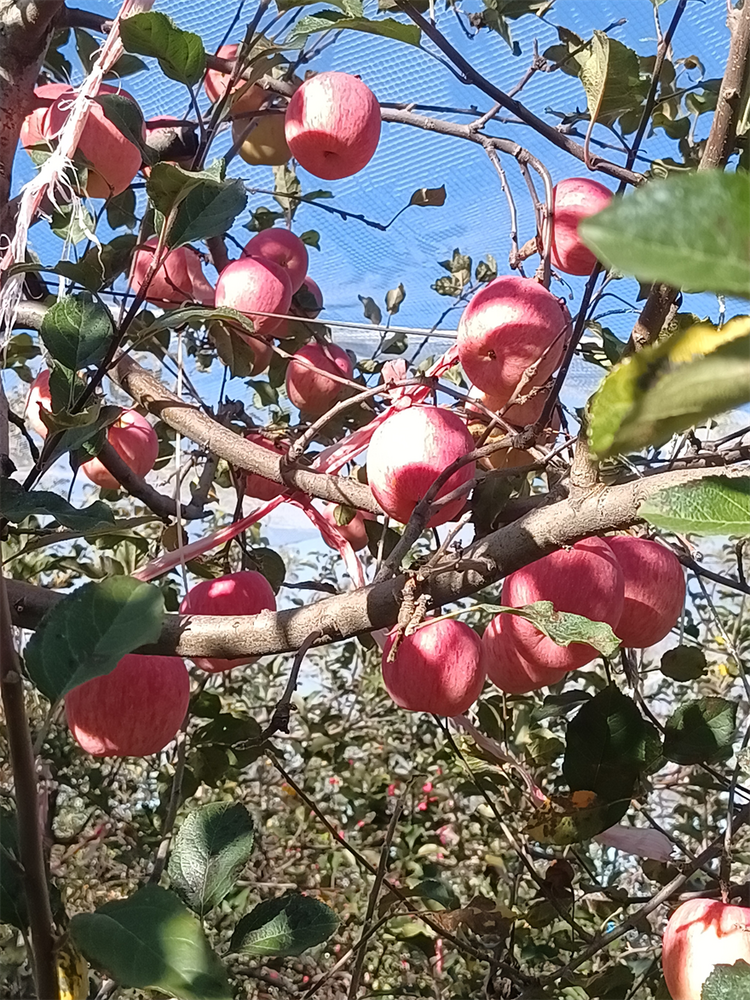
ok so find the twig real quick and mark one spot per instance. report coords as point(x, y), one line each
point(175, 795)
point(280, 719)
point(161, 505)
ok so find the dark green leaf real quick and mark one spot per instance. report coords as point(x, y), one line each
point(12, 890)
point(701, 732)
point(127, 118)
point(311, 238)
point(728, 982)
point(152, 941)
point(212, 847)
point(683, 663)
point(180, 53)
point(327, 20)
point(73, 223)
point(121, 210)
point(371, 309)
point(716, 505)
point(287, 925)
point(271, 565)
point(375, 531)
point(16, 504)
point(689, 231)
point(89, 631)
point(76, 330)
point(208, 210)
point(610, 74)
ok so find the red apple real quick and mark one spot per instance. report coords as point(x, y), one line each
point(407, 453)
point(216, 85)
point(508, 326)
point(575, 199)
point(312, 392)
point(354, 532)
point(284, 249)
point(333, 125)
point(245, 593)
point(506, 667)
point(258, 486)
point(179, 279)
point(436, 669)
point(38, 399)
point(654, 590)
point(247, 284)
point(135, 441)
point(701, 934)
point(308, 301)
point(134, 711)
point(115, 159)
point(584, 580)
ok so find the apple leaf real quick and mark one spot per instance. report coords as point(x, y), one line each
point(76, 330)
point(716, 505)
point(683, 663)
point(212, 847)
point(671, 386)
point(689, 230)
point(88, 632)
point(287, 925)
point(701, 732)
point(208, 210)
point(328, 20)
point(610, 75)
point(152, 941)
point(562, 627)
point(728, 982)
point(16, 504)
point(180, 53)
point(128, 119)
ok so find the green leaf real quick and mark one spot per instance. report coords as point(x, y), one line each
point(121, 210)
point(284, 926)
point(180, 53)
point(606, 749)
point(89, 631)
point(152, 941)
point(202, 204)
point(72, 222)
point(12, 889)
point(728, 982)
point(371, 309)
point(100, 265)
point(689, 230)
point(311, 238)
point(78, 428)
point(562, 627)
point(16, 504)
point(716, 505)
point(212, 847)
point(683, 663)
point(701, 732)
point(611, 78)
point(328, 20)
point(127, 118)
point(76, 330)
point(671, 386)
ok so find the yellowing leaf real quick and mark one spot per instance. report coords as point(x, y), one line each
point(72, 973)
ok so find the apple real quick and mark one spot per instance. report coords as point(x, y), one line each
point(135, 441)
point(179, 279)
point(333, 125)
point(39, 398)
point(308, 301)
point(244, 593)
point(654, 590)
point(115, 159)
point(134, 711)
point(436, 669)
point(216, 84)
point(701, 934)
point(284, 249)
point(250, 283)
point(407, 453)
point(575, 199)
point(519, 414)
point(505, 665)
point(259, 486)
point(265, 144)
point(583, 580)
point(312, 392)
point(508, 326)
point(354, 532)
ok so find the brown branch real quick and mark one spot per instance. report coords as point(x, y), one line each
point(162, 506)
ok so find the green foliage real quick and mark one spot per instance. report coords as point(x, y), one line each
point(180, 53)
point(287, 925)
point(86, 633)
point(334, 20)
point(710, 506)
point(12, 892)
point(562, 627)
point(701, 732)
point(197, 204)
point(16, 504)
point(728, 982)
point(76, 330)
point(684, 663)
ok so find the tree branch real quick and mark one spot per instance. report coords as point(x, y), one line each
point(137, 487)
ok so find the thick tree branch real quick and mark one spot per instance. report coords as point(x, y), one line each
point(377, 606)
point(137, 487)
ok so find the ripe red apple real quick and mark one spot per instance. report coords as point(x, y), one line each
point(245, 593)
point(115, 159)
point(505, 665)
point(216, 84)
point(249, 283)
point(284, 249)
point(354, 532)
point(134, 711)
point(333, 125)
point(179, 279)
point(508, 326)
point(436, 669)
point(38, 398)
point(308, 301)
point(654, 590)
point(135, 441)
point(575, 199)
point(312, 392)
point(258, 486)
point(701, 934)
point(584, 580)
point(407, 453)
point(265, 144)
